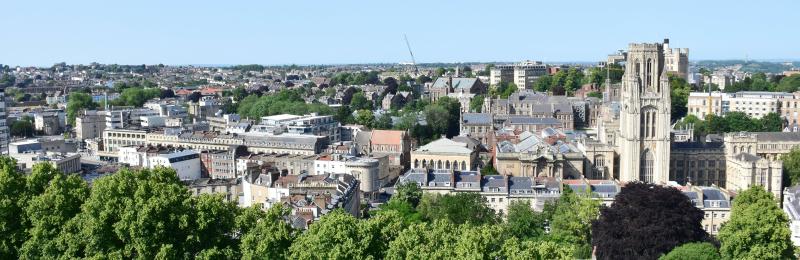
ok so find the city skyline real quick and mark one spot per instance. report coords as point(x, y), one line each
point(150, 32)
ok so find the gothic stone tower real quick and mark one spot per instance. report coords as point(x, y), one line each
point(644, 133)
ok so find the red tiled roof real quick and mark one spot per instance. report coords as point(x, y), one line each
point(393, 137)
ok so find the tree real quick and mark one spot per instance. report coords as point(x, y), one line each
point(517, 249)
point(77, 102)
point(439, 72)
point(789, 84)
point(380, 230)
point(679, 96)
point(344, 115)
point(365, 117)
point(572, 221)
point(437, 118)
point(489, 170)
point(270, 236)
point(791, 167)
point(476, 104)
point(459, 208)
point(543, 84)
point(408, 192)
point(573, 80)
point(383, 122)
point(22, 128)
point(337, 235)
point(59, 202)
point(646, 221)
point(391, 85)
point(444, 240)
point(698, 251)
point(12, 190)
point(167, 93)
point(194, 97)
point(595, 94)
point(144, 213)
point(524, 223)
point(422, 79)
point(770, 122)
point(360, 102)
point(137, 96)
point(757, 229)
point(214, 219)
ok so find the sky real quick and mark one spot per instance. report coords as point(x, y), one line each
point(175, 32)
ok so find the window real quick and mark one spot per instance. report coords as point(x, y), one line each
point(646, 167)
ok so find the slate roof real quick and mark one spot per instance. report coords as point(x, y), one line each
point(476, 118)
point(465, 83)
point(520, 183)
point(529, 120)
point(777, 137)
point(494, 181)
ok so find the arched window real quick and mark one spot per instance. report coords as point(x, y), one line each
point(463, 165)
point(424, 163)
point(646, 167)
point(416, 163)
point(447, 165)
point(647, 125)
point(439, 164)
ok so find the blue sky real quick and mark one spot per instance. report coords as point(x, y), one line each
point(335, 32)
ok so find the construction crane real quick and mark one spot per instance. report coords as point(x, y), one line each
point(413, 62)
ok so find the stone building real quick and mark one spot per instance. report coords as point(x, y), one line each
point(644, 132)
point(229, 188)
point(539, 156)
point(698, 163)
point(533, 104)
point(715, 204)
point(446, 85)
point(745, 170)
point(445, 154)
point(498, 190)
point(479, 126)
point(676, 61)
point(90, 124)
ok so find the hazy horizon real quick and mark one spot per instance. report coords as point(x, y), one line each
point(366, 32)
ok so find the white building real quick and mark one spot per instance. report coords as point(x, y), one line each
point(755, 104)
point(310, 124)
point(186, 163)
point(125, 117)
point(791, 206)
point(64, 162)
point(523, 74)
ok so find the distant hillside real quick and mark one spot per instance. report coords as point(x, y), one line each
point(749, 66)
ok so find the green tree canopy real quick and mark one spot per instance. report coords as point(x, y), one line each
point(365, 117)
point(76, 103)
point(408, 192)
point(336, 235)
point(571, 221)
point(757, 229)
point(459, 208)
point(695, 251)
point(270, 236)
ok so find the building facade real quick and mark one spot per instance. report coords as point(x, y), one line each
point(644, 137)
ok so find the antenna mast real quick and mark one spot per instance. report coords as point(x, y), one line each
point(413, 62)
